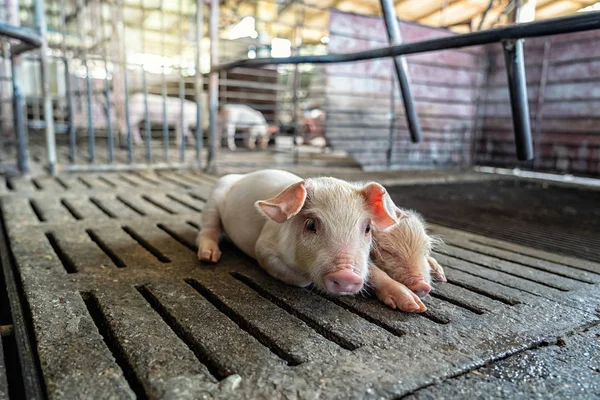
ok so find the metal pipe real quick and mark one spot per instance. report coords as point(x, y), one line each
point(69, 95)
point(88, 95)
point(110, 135)
point(541, 99)
point(120, 167)
point(199, 84)
point(125, 83)
point(164, 86)
point(19, 120)
point(213, 84)
point(27, 36)
point(391, 137)
point(401, 67)
point(145, 87)
point(40, 18)
point(295, 122)
point(182, 129)
point(555, 26)
point(299, 19)
point(517, 85)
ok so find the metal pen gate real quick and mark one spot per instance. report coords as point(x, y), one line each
point(91, 43)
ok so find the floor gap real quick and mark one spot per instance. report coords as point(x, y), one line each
point(220, 372)
point(146, 245)
point(99, 318)
point(64, 258)
point(240, 321)
point(107, 250)
point(331, 336)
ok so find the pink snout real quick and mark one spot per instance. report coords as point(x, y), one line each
point(343, 282)
point(420, 288)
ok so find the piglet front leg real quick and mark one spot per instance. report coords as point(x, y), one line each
point(393, 293)
point(210, 232)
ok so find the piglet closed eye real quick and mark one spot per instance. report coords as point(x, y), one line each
point(403, 252)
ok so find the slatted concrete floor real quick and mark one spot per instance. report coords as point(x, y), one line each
point(120, 307)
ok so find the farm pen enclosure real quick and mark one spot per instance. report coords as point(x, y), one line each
point(101, 293)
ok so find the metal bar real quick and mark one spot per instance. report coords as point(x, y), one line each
point(19, 120)
point(88, 96)
point(182, 130)
point(25, 35)
point(120, 167)
point(517, 85)
point(541, 98)
point(391, 138)
point(295, 122)
point(299, 20)
point(40, 18)
point(69, 94)
point(145, 87)
point(213, 84)
point(401, 67)
point(555, 26)
point(199, 83)
point(164, 87)
point(107, 96)
point(125, 83)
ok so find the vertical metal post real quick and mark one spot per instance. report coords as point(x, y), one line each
point(145, 85)
point(107, 95)
point(541, 99)
point(40, 19)
point(182, 127)
point(199, 83)
point(391, 138)
point(82, 27)
point(299, 21)
point(393, 31)
point(19, 119)
point(69, 95)
point(125, 83)
point(517, 85)
point(295, 122)
point(165, 125)
point(88, 91)
point(213, 84)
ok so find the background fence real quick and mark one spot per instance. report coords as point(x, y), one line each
point(122, 67)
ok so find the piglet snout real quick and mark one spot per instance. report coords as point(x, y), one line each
point(343, 282)
point(420, 288)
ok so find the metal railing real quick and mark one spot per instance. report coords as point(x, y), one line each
point(29, 40)
point(511, 38)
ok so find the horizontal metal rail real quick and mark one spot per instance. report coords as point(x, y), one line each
point(24, 35)
point(550, 27)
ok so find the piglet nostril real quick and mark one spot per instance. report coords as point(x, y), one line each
point(420, 288)
point(342, 282)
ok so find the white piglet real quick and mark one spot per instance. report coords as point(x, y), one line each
point(302, 232)
point(240, 116)
point(137, 114)
point(403, 262)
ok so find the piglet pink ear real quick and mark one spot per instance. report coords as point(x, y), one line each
point(380, 205)
point(286, 204)
point(401, 214)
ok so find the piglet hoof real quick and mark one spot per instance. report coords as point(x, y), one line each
point(398, 296)
point(436, 270)
point(209, 252)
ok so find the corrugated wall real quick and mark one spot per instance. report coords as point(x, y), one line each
point(563, 77)
point(359, 98)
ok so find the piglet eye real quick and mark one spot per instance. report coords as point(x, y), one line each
point(368, 228)
point(311, 225)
